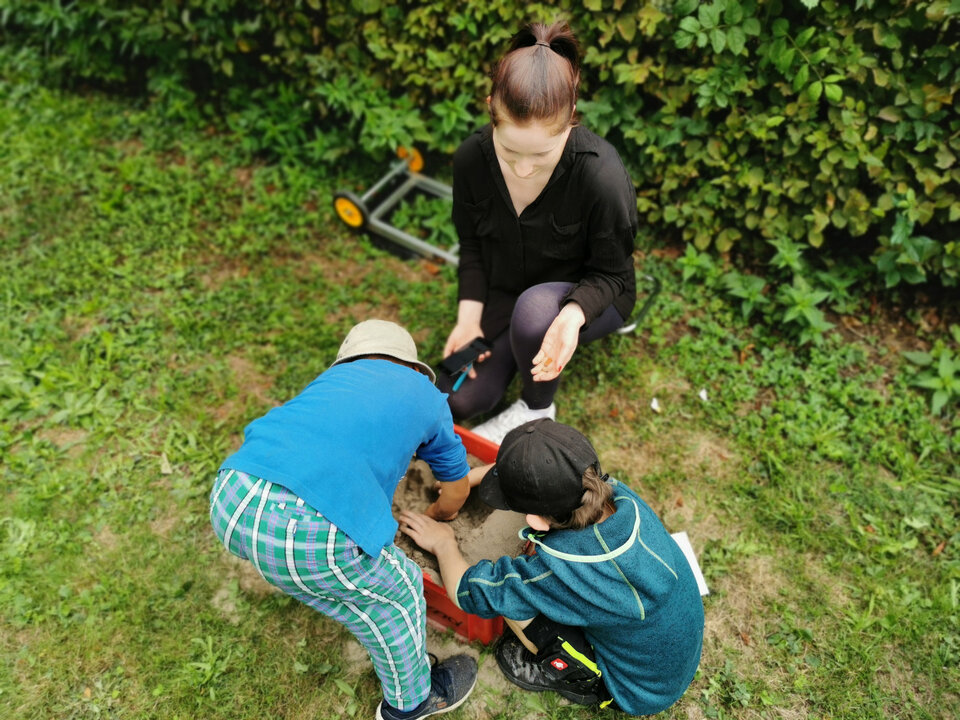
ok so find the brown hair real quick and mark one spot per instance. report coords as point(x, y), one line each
point(537, 79)
point(597, 495)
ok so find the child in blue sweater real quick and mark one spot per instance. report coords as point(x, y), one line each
point(307, 500)
point(606, 610)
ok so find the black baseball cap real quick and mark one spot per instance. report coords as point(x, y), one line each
point(539, 470)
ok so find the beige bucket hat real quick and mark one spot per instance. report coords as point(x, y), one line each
point(381, 337)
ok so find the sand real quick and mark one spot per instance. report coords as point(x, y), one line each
point(482, 532)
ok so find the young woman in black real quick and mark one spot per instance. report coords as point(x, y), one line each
point(546, 216)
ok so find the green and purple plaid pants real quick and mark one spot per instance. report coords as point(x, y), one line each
point(293, 547)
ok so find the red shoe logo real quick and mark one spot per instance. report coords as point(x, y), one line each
point(558, 664)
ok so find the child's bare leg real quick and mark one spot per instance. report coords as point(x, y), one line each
point(517, 626)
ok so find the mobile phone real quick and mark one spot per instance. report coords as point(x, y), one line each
point(458, 361)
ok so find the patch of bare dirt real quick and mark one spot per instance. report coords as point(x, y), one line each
point(901, 327)
point(73, 440)
point(490, 680)
point(900, 679)
point(106, 539)
point(165, 524)
point(740, 619)
point(246, 375)
point(128, 147)
point(349, 273)
point(671, 450)
point(362, 311)
point(444, 644)
point(78, 327)
point(225, 600)
point(222, 271)
point(243, 176)
point(356, 656)
point(707, 455)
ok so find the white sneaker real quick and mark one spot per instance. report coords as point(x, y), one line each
point(496, 428)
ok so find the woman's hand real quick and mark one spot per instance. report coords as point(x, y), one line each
point(466, 329)
point(460, 337)
point(425, 532)
point(559, 343)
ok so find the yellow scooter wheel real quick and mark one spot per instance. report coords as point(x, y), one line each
point(413, 157)
point(350, 209)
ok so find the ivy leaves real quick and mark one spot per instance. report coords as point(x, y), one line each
point(722, 24)
point(904, 256)
point(939, 371)
point(796, 59)
point(740, 121)
point(727, 25)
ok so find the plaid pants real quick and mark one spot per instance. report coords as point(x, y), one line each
point(379, 599)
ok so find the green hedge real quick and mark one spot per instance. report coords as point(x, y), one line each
point(745, 124)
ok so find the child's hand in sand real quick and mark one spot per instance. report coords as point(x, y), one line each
point(437, 512)
point(426, 532)
point(450, 498)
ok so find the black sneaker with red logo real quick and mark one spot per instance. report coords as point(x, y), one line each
point(553, 668)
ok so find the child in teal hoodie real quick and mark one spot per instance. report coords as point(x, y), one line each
point(607, 609)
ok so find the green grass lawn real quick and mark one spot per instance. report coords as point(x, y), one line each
point(160, 289)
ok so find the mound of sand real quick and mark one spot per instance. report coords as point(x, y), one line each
point(482, 532)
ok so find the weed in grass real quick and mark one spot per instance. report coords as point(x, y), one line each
point(724, 690)
point(209, 667)
point(427, 218)
point(940, 372)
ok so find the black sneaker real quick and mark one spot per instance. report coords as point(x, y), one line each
point(451, 681)
point(547, 671)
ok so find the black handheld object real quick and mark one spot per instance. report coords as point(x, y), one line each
point(458, 361)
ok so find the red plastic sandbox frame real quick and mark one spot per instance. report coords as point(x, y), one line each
point(441, 612)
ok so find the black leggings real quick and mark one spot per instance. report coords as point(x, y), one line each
point(516, 347)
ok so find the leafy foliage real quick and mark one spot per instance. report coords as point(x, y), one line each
point(788, 295)
point(428, 218)
point(940, 371)
point(830, 123)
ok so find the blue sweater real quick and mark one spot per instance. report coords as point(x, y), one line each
point(640, 609)
point(345, 441)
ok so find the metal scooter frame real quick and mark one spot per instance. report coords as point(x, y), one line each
point(371, 212)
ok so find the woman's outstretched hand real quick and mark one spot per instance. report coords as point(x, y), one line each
point(559, 343)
